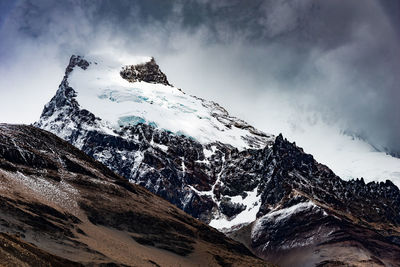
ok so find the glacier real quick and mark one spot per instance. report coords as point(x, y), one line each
point(119, 103)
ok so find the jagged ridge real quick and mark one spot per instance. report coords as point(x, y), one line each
point(56, 197)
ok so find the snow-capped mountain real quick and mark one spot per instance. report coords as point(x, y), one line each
point(141, 93)
point(258, 188)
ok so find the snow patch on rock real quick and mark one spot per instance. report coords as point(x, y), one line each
point(252, 203)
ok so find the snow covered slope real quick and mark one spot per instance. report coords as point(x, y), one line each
point(118, 102)
point(348, 155)
point(101, 90)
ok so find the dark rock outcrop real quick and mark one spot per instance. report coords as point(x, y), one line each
point(148, 72)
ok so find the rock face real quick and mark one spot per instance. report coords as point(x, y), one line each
point(268, 194)
point(309, 211)
point(69, 206)
point(148, 72)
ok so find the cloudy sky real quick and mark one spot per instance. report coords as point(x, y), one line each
point(301, 67)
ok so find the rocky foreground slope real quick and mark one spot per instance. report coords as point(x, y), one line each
point(259, 189)
point(59, 207)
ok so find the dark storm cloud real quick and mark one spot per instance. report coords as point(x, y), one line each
point(338, 59)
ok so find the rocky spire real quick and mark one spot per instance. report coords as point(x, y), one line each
point(148, 72)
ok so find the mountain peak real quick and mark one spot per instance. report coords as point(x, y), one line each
point(147, 72)
point(76, 60)
point(143, 70)
point(121, 94)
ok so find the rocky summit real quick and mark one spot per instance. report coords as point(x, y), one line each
point(148, 72)
point(258, 188)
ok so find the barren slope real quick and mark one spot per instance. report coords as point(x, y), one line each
point(54, 196)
